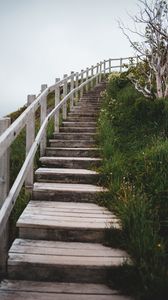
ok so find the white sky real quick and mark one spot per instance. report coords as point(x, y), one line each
point(43, 39)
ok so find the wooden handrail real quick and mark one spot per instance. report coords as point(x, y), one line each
point(89, 76)
point(14, 192)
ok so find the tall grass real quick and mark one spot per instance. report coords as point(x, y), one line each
point(134, 149)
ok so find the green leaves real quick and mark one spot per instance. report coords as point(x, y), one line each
point(133, 139)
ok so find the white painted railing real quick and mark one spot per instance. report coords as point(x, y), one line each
point(78, 83)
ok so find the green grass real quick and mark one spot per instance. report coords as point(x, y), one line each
point(134, 149)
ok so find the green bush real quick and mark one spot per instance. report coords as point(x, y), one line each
point(134, 150)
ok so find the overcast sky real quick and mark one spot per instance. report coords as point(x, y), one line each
point(43, 39)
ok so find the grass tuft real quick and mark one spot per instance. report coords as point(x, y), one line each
point(134, 149)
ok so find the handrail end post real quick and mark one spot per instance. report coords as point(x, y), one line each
point(4, 190)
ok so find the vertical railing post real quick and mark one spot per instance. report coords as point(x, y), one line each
point(81, 91)
point(109, 65)
point(4, 189)
point(71, 88)
point(57, 99)
point(100, 76)
point(65, 87)
point(97, 72)
point(30, 136)
point(87, 76)
point(4, 164)
point(76, 85)
point(120, 65)
point(92, 73)
point(43, 114)
point(104, 67)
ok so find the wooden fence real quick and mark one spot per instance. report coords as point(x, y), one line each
point(72, 85)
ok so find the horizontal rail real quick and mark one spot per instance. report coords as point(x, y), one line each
point(15, 190)
point(77, 82)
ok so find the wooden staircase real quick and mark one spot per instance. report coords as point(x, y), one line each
point(60, 253)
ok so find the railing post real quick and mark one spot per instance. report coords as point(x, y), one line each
point(71, 88)
point(30, 136)
point(92, 73)
point(97, 71)
point(87, 76)
point(104, 67)
point(65, 86)
point(4, 164)
point(81, 91)
point(4, 189)
point(76, 85)
point(57, 99)
point(100, 76)
point(43, 115)
point(120, 65)
point(109, 65)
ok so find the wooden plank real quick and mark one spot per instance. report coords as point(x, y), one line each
point(65, 210)
point(68, 217)
point(71, 148)
point(50, 158)
point(56, 287)
point(72, 205)
point(65, 224)
point(70, 162)
point(65, 214)
point(65, 171)
point(60, 220)
point(53, 244)
point(35, 207)
point(65, 87)
point(63, 261)
point(43, 115)
point(57, 99)
point(68, 187)
point(40, 252)
point(4, 164)
point(43, 212)
point(4, 189)
point(102, 253)
point(30, 136)
point(32, 223)
point(15, 295)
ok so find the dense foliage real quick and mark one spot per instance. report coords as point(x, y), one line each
point(133, 139)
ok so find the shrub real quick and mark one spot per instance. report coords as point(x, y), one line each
point(134, 149)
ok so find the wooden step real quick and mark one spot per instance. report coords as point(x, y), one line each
point(86, 109)
point(61, 261)
point(85, 104)
point(91, 99)
point(70, 162)
point(83, 114)
point(72, 152)
point(35, 290)
point(76, 136)
point(78, 129)
point(72, 143)
point(82, 119)
point(66, 222)
point(79, 124)
point(91, 102)
point(67, 175)
point(67, 192)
